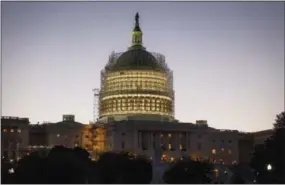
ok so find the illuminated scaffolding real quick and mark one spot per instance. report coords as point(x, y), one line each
point(95, 104)
point(136, 82)
point(126, 92)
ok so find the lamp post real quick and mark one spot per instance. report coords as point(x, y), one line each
point(269, 174)
point(269, 167)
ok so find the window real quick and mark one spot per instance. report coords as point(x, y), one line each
point(12, 130)
point(163, 157)
point(180, 146)
point(169, 135)
point(169, 146)
point(214, 141)
point(213, 151)
point(4, 130)
point(222, 149)
point(123, 145)
point(230, 151)
point(19, 130)
point(222, 141)
point(216, 172)
point(230, 141)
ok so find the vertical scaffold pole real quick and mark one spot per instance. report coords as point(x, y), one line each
point(95, 104)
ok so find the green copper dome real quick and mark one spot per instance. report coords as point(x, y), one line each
point(136, 58)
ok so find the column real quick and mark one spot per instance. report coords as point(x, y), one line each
point(187, 141)
point(151, 141)
point(176, 141)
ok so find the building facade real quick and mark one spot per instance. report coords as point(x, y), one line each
point(261, 136)
point(173, 139)
point(14, 137)
point(19, 138)
point(136, 111)
point(136, 114)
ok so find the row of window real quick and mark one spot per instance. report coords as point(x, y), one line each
point(11, 130)
point(143, 104)
point(180, 135)
point(223, 141)
point(7, 142)
point(137, 100)
point(162, 146)
point(229, 151)
point(182, 147)
point(135, 74)
point(127, 85)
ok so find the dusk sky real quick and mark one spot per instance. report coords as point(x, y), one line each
point(227, 57)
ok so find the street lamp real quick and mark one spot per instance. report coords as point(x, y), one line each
point(269, 167)
point(11, 170)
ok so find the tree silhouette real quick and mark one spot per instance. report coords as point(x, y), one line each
point(188, 171)
point(272, 153)
point(237, 179)
point(123, 168)
point(73, 166)
point(29, 170)
point(63, 166)
point(6, 177)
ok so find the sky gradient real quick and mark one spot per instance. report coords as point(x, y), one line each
point(227, 57)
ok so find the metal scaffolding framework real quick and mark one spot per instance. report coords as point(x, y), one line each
point(159, 58)
point(106, 91)
point(96, 104)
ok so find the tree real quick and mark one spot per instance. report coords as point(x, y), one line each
point(6, 177)
point(237, 179)
point(123, 168)
point(271, 154)
point(73, 166)
point(188, 171)
point(61, 166)
point(29, 170)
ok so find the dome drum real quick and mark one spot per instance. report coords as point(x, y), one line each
point(130, 92)
point(136, 105)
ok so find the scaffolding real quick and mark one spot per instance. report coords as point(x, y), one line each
point(96, 104)
point(161, 60)
point(105, 90)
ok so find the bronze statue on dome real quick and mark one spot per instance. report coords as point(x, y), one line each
point(137, 18)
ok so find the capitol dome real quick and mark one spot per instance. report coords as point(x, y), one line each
point(136, 84)
point(137, 58)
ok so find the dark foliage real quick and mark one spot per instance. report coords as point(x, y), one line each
point(73, 166)
point(238, 179)
point(271, 152)
point(189, 171)
point(124, 168)
point(6, 177)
